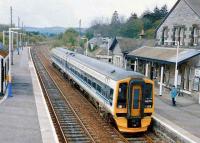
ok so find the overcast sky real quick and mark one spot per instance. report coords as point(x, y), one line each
point(66, 13)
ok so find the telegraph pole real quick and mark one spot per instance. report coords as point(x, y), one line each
point(11, 26)
point(22, 35)
point(18, 37)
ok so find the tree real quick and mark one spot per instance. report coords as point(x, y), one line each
point(163, 11)
point(132, 28)
point(89, 34)
point(132, 17)
point(147, 23)
point(70, 37)
point(115, 18)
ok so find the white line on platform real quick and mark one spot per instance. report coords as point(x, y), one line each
point(4, 98)
point(176, 129)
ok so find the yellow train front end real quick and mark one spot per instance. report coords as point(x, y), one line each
point(134, 105)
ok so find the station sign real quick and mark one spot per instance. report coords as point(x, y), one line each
point(197, 72)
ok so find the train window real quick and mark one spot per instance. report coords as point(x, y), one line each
point(148, 91)
point(85, 78)
point(94, 85)
point(98, 88)
point(103, 93)
point(89, 82)
point(75, 72)
point(122, 97)
point(111, 94)
point(136, 98)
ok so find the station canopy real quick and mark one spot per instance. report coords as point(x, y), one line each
point(163, 55)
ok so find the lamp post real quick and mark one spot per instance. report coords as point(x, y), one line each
point(10, 66)
point(176, 65)
point(86, 44)
point(4, 38)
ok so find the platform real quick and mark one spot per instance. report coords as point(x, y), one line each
point(24, 118)
point(183, 119)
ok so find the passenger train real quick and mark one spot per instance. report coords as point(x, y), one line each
point(126, 97)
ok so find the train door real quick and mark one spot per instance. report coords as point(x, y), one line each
point(135, 103)
point(136, 94)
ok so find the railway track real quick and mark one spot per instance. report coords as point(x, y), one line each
point(70, 126)
point(92, 125)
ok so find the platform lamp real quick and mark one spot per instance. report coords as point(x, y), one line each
point(4, 35)
point(176, 66)
point(11, 30)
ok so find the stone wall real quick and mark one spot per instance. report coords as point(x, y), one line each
point(182, 16)
point(118, 58)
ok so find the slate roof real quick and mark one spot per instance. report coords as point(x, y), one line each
point(163, 54)
point(195, 5)
point(103, 51)
point(128, 44)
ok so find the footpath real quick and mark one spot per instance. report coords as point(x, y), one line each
point(183, 119)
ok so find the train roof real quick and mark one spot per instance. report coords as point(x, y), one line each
point(107, 69)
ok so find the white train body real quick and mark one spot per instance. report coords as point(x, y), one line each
point(105, 85)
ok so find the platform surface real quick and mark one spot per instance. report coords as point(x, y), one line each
point(24, 118)
point(184, 118)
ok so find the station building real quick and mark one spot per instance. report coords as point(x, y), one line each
point(4, 68)
point(180, 27)
point(120, 47)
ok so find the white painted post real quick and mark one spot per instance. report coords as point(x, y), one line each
point(9, 73)
point(17, 43)
point(125, 66)
point(20, 40)
point(199, 98)
point(108, 46)
point(161, 80)
point(3, 38)
point(176, 66)
point(12, 41)
point(135, 66)
point(147, 69)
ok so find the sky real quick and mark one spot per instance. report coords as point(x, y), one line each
point(67, 13)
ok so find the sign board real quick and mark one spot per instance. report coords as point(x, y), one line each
point(196, 84)
point(197, 73)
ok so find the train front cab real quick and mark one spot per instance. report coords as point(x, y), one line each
point(134, 105)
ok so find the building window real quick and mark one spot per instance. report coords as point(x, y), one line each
point(182, 34)
point(177, 35)
point(164, 35)
point(195, 36)
point(118, 61)
point(174, 35)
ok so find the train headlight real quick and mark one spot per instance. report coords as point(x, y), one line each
point(148, 103)
point(120, 106)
